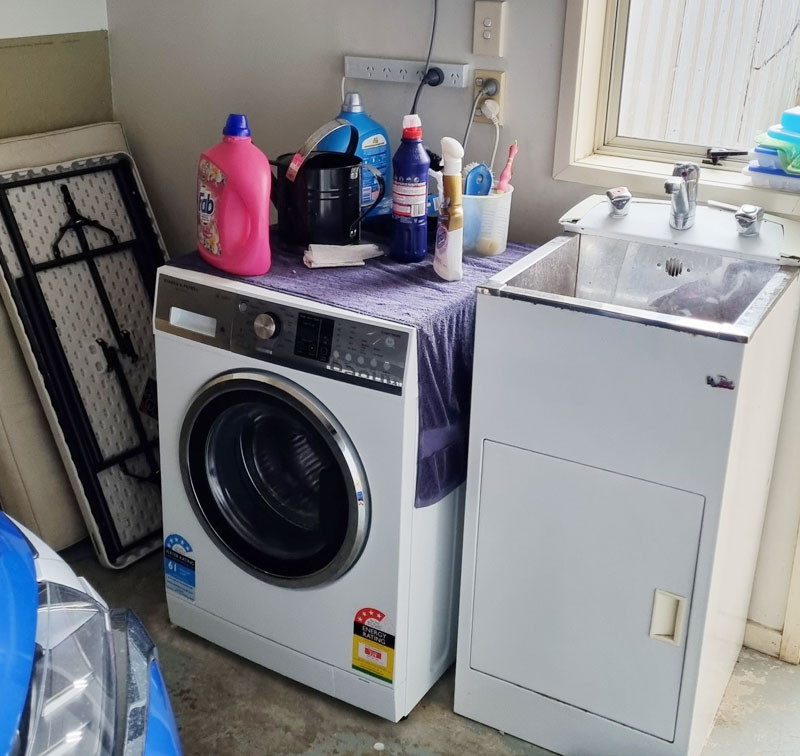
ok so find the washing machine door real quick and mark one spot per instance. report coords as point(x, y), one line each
point(274, 479)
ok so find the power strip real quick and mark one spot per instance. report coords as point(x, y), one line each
point(404, 71)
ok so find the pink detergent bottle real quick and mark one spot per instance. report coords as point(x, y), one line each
point(233, 185)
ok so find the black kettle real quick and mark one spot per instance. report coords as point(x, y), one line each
point(318, 194)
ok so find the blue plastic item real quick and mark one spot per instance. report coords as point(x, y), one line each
point(19, 602)
point(411, 164)
point(754, 167)
point(790, 119)
point(771, 177)
point(789, 128)
point(479, 181)
point(236, 126)
point(373, 149)
point(767, 157)
point(162, 732)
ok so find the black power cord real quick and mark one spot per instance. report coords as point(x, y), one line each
point(433, 78)
point(426, 79)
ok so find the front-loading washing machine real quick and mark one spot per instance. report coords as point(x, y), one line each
point(289, 440)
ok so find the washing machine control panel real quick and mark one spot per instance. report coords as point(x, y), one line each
point(338, 347)
point(349, 349)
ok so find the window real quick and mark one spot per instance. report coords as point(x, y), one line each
point(701, 73)
point(648, 82)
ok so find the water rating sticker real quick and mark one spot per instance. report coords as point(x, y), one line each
point(179, 566)
point(373, 644)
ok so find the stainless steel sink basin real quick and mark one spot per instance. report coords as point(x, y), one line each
point(664, 285)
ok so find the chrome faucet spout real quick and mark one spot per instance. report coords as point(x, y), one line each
point(682, 187)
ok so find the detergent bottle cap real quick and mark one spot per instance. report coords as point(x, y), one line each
point(452, 155)
point(352, 103)
point(412, 127)
point(237, 126)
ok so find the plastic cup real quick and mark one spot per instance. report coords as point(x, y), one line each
point(486, 222)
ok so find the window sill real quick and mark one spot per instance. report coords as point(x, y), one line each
point(647, 177)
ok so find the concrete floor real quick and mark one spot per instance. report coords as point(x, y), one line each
point(227, 705)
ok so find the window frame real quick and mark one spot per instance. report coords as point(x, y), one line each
point(608, 140)
point(587, 148)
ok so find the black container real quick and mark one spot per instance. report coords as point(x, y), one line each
point(318, 194)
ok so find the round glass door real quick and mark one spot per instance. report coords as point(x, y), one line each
point(274, 479)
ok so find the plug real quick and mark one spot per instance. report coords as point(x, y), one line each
point(490, 87)
point(434, 76)
point(490, 109)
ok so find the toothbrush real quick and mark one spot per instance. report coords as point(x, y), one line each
point(505, 176)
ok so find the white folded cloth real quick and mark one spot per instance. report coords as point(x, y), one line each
point(334, 256)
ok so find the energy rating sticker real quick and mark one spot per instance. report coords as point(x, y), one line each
point(179, 566)
point(373, 644)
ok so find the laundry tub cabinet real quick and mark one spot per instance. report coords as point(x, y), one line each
point(627, 394)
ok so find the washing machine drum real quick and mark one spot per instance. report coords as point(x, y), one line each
point(274, 479)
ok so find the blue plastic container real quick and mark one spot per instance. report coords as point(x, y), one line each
point(767, 157)
point(373, 148)
point(410, 195)
point(773, 178)
point(789, 128)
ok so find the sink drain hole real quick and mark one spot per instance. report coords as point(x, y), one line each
point(673, 266)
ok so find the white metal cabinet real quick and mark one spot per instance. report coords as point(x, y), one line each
point(584, 552)
point(627, 392)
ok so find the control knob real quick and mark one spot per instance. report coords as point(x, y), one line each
point(266, 325)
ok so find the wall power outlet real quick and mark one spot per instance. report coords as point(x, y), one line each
point(404, 71)
point(479, 76)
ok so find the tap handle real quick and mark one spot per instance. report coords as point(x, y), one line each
point(618, 200)
point(673, 185)
point(748, 220)
point(687, 171)
point(690, 173)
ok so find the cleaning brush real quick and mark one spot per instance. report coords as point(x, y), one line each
point(465, 171)
point(478, 179)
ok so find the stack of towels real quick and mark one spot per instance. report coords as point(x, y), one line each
point(775, 161)
point(333, 256)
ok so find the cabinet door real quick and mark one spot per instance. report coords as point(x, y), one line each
point(583, 585)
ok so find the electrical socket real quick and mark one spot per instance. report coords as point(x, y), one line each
point(404, 71)
point(479, 76)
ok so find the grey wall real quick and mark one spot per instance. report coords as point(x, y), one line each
point(23, 18)
point(178, 67)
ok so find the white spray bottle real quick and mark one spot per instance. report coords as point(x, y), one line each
point(447, 261)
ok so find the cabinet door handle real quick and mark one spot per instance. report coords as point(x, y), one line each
point(667, 620)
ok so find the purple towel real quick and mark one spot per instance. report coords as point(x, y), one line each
point(443, 314)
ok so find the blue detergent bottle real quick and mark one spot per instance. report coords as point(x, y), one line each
point(411, 164)
point(373, 148)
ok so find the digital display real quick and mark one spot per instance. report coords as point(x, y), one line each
point(314, 337)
